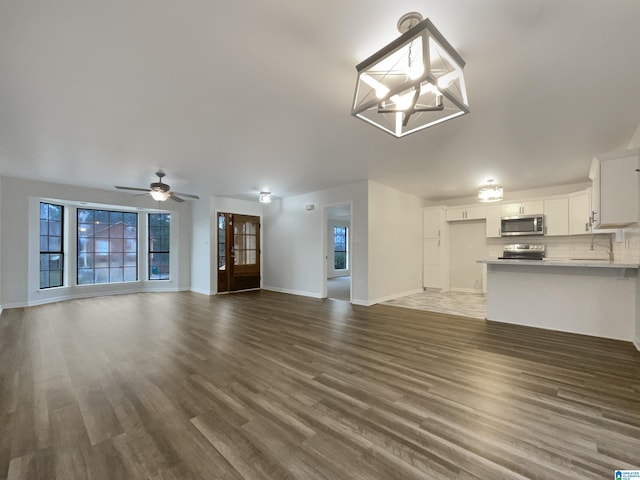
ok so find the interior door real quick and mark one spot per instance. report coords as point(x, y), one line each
point(238, 252)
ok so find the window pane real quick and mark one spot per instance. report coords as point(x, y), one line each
point(130, 274)
point(101, 217)
point(55, 228)
point(116, 217)
point(340, 236)
point(116, 260)
point(85, 276)
point(159, 245)
point(101, 275)
point(55, 213)
point(103, 236)
point(130, 260)
point(116, 245)
point(51, 245)
point(55, 244)
point(44, 279)
point(116, 275)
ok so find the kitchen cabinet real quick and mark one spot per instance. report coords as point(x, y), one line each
point(494, 217)
point(472, 212)
point(435, 269)
point(523, 208)
point(433, 219)
point(616, 189)
point(556, 216)
point(580, 213)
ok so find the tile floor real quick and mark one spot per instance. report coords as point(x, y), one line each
point(473, 305)
point(339, 287)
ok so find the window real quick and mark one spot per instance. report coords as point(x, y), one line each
point(159, 246)
point(107, 246)
point(51, 245)
point(340, 235)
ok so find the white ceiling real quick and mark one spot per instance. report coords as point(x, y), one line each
point(234, 97)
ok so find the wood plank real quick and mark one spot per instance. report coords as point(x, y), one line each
point(261, 385)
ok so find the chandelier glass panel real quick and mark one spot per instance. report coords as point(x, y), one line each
point(413, 83)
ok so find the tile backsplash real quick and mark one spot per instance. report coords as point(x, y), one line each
point(626, 246)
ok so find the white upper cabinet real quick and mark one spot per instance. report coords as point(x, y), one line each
point(523, 208)
point(433, 219)
point(435, 270)
point(471, 212)
point(556, 216)
point(616, 189)
point(494, 217)
point(580, 213)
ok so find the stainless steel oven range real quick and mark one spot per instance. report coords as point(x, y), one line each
point(523, 251)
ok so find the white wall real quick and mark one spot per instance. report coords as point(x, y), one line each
point(19, 277)
point(294, 240)
point(395, 243)
point(204, 261)
point(468, 244)
point(1, 300)
point(331, 271)
point(635, 140)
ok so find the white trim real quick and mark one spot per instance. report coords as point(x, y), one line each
point(636, 342)
point(292, 292)
point(202, 291)
point(467, 290)
point(78, 296)
point(393, 297)
point(363, 303)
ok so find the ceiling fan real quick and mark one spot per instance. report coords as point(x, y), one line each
point(161, 191)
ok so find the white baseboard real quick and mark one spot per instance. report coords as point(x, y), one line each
point(467, 290)
point(364, 303)
point(394, 296)
point(87, 294)
point(636, 342)
point(292, 292)
point(202, 291)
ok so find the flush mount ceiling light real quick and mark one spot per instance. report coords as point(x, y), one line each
point(264, 197)
point(413, 83)
point(490, 192)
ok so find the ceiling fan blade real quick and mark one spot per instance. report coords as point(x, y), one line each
point(188, 195)
point(133, 188)
point(175, 198)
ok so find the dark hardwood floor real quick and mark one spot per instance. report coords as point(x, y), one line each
point(261, 385)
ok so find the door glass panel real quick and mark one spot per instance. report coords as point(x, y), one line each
point(245, 243)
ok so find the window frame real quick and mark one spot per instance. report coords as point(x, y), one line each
point(150, 252)
point(346, 247)
point(49, 252)
point(93, 238)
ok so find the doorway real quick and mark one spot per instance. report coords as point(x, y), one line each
point(238, 252)
point(338, 278)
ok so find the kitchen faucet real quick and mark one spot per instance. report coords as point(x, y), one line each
point(610, 246)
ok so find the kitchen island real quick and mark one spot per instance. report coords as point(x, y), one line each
point(590, 297)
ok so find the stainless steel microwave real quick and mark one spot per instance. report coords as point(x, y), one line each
point(522, 225)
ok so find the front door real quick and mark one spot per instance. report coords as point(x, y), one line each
point(238, 252)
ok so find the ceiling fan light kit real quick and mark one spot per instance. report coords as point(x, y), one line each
point(414, 82)
point(160, 191)
point(264, 197)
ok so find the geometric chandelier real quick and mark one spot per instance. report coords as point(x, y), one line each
point(413, 83)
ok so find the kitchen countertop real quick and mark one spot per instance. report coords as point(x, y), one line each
point(561, 262)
